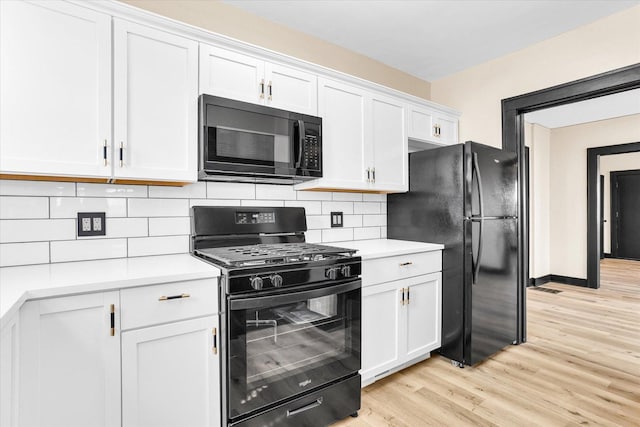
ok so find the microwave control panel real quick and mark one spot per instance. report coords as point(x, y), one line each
point(311, 150)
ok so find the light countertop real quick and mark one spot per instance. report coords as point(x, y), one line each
point(19, 284)
point(380, 248)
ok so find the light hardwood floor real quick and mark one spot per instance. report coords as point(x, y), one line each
point(580, 366)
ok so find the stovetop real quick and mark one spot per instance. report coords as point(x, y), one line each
point(273, 253)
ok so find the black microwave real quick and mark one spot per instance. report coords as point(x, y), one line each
point(244, 142)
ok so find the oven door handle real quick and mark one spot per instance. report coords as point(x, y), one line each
point(291, 297)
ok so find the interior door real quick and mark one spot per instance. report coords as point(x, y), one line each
point(626, 205)
point(494, 283)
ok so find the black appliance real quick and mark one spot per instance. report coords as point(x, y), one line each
point(239, 141)
point(465, 197)
point(290, 317)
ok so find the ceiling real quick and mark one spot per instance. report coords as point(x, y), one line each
point(605, 107)
point(431, 39)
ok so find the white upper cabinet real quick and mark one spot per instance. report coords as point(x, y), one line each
point(432, 126)
point(389, 140)
point(55, 89)
point(246, 78)
point(364, 140)
point(155, 104)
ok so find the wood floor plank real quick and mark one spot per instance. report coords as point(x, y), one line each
point(580, 366)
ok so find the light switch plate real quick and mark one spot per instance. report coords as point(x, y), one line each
point(91, 224)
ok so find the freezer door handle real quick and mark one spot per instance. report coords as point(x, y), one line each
point(476, 265)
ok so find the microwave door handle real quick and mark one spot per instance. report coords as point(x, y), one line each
point(301, 136)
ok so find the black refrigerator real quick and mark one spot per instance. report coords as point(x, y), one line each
point(465, 197)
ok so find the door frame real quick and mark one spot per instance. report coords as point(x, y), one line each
point(513, 110)
point(614, 207)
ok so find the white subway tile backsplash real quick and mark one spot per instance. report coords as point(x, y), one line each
point(67, 207)
point(374, 197)
point(37, 188)
point(374, 220)
point(24, 207)
point(81, 250)
point(197, 190)
point(230, 190)
point(347, 197)
point(158, 207)
point(213, 202)
point(310, 207)
point(345, 207)
point(152, 220)
point(366, 208)
point(110, 190)
point(267, 203)
point(24, 253)
point(318, 222)
point(165, 245)
point(337, 234)
point(36, 230)
point(313, 195)
point(275, 192)
point(366, 233)
point(352, 220)
point(169, 226)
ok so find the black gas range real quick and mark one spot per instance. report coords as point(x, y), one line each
point(290, 317)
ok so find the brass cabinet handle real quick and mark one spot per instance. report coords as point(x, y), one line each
point(373, 174)
point(121, 154)
point(404, 264)
point(270, 90)
point(112, 319)
point(408, 296)
point(214, 349)
point(104, 152)
point(368, 174)
point(402, 300)
point(167, 298)
point(262, 89)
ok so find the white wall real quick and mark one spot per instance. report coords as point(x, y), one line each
point(538, 138)
point(38, 225)
point(608, 164)
point(568, 183)
point(601, 46)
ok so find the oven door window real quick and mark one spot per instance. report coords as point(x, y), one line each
point(282, 349)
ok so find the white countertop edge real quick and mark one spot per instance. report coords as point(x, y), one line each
point(139, 278)
point(382, 248)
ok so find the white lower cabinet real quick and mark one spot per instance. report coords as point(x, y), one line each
point(170, 375)
point(70, 362)
point(400, 323)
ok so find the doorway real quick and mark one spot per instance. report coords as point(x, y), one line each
point(625, 214)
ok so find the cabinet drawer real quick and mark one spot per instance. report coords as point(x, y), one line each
point(382, 270)
point(169, 302)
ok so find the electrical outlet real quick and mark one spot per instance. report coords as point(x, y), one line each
point(91, 224)
point(336, 219)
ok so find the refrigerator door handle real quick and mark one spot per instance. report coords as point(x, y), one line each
point(476, 265)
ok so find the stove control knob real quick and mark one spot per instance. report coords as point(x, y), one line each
point(332, 273)
point(345, 270)
point(276, 280)
point(256, 283)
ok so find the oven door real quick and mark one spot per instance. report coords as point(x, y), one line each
point(282, 345)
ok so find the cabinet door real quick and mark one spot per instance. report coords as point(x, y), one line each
point(9, 346)
point(171, 375)
point(156, 99)
point(55, 89)
point(423, 314)
point(420, 126)
point(447, 129)
point(231, 75)
point(382, 317)
point(291, 89)
point(70, 362)
point(389, 144)
point(344, 112)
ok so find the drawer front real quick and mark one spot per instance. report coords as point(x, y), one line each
point(383, 270)
point(169, 302)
